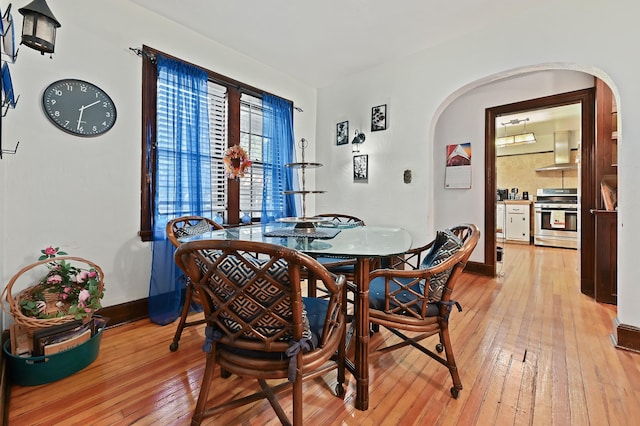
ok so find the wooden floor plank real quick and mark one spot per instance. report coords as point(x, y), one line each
point(531, 349)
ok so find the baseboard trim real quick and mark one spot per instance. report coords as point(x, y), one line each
point(479, 268)
point(625, 336)
point(125, 312)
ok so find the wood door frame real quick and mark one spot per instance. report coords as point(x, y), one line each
point(586, 98)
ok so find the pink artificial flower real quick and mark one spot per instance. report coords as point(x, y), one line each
point(84, 295)
point(54, 279)
point(82, 277)
point(50, 251)
point(64, 296)
point(81, 305)
point(87, 310)
point(93, 274)
point(67, 290)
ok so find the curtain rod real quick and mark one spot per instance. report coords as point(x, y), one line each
point(248, 89)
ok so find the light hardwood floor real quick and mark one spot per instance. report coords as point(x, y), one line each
point(531, 349)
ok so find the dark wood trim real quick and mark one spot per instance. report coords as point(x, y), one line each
point(147, 194)
point(626, 336)
point(480, 268)
point(233, 138)
point(586, 98)
point(125, 312)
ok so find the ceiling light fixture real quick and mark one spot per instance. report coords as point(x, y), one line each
point(518, 138)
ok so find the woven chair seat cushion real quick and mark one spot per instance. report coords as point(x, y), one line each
point(406, 297)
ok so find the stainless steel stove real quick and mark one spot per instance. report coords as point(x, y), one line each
point(556, 218)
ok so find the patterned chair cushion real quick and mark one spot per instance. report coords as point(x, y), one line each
point(199, 228)
point(262, 293)
point(445, 245)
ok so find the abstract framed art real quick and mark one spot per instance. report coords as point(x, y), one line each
point(342, 133)
point(379, 118)
point(360, 168)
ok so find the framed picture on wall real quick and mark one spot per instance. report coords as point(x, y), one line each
point(379, 118)
point(342, 133)
point(360, 168)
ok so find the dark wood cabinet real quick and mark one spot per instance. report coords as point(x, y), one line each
point(606, 259)
point(599, 263)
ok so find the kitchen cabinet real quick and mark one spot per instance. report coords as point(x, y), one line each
point(606, 272)
point(518, 221)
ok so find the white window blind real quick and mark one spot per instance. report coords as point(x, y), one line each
point(169, 113)
point(251, 141)
point(218, 138)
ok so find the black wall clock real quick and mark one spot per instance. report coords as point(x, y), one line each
point(79, 107)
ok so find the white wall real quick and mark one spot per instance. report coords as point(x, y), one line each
point(83, 194)
point(418, 89)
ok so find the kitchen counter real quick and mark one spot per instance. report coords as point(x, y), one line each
point(516, 202)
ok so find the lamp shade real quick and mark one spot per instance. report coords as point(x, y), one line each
point(39, 26)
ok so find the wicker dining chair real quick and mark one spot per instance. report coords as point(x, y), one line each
point(414, 295)
point(338, 265)
point(258, 324)
point(180, 227)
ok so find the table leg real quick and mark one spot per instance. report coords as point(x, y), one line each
point(362, 334)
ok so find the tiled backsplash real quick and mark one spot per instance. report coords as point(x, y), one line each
point(519, 171)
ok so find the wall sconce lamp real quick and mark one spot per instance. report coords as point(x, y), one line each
point(517, 139)
point(357, 140)
point(39, 26)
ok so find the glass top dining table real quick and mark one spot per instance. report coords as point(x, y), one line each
point(365, 243)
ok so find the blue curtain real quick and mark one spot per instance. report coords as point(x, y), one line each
point(183, 174)
point(278, 149)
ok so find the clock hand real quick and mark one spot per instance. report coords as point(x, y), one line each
point(90, 105)
point(82, 108)
point(80, 117)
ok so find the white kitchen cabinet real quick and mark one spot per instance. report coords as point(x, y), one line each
point(518, 223)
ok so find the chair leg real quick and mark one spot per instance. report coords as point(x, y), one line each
point(451, 361)
point(297, 400)
point(183, 318)
point(210, 365)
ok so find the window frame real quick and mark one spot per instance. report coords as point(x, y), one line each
point(148, 159)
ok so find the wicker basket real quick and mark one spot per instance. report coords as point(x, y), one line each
point(31, 323)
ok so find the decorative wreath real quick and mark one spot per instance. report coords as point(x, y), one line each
point(236, 161)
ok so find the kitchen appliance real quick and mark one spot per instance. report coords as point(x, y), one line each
point(556, 218)
point(502, 194)
point(525, 195)
point(513, 194)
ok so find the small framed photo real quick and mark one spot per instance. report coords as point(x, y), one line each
point(379, 118)
point(342, 133)
point(360, 168)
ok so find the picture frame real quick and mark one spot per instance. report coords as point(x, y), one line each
point(379, 118)
point(342, 133)
point(360, 168)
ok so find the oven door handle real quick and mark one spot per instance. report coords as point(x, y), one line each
point(538, 210)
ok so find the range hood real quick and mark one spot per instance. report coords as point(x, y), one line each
point(561, 153)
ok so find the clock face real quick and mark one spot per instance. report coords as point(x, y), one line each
point(79, 107)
